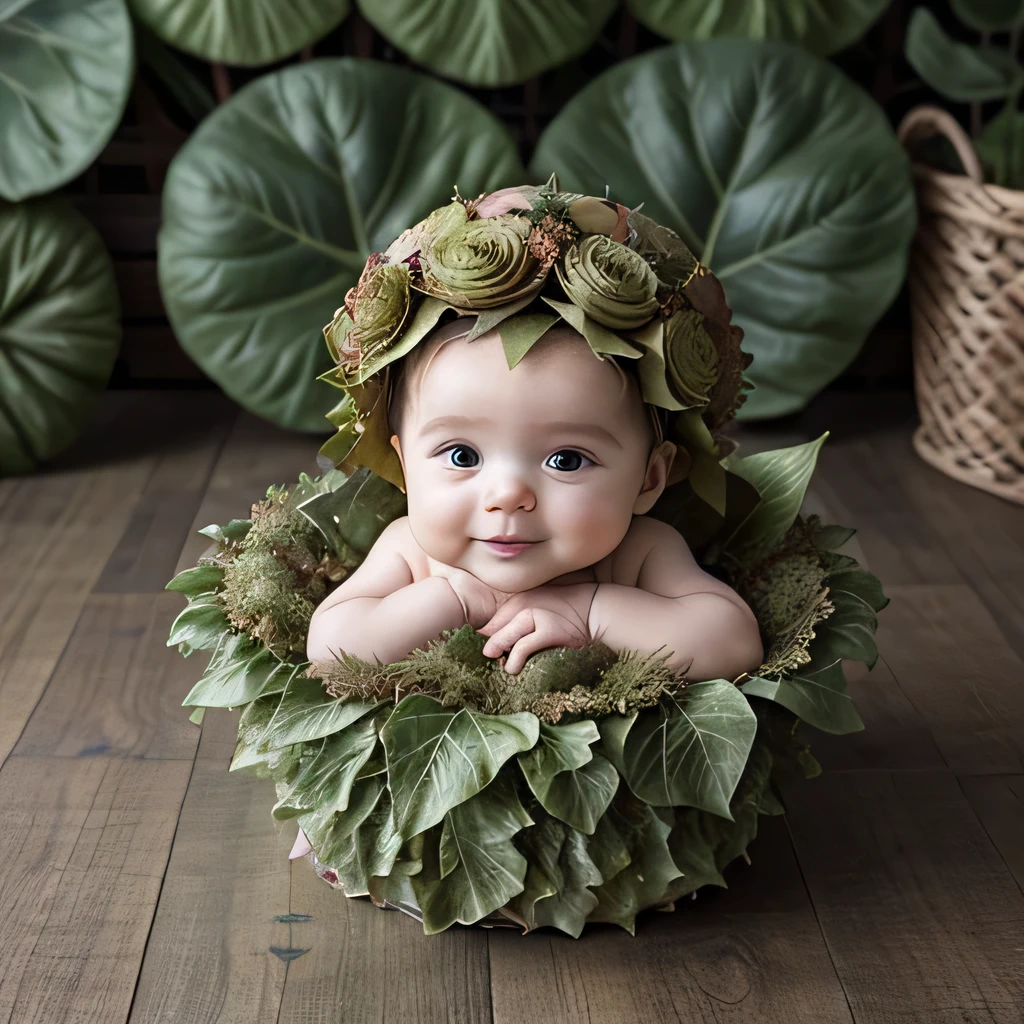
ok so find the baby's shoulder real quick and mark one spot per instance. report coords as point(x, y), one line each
point(644, 536)
point(397, 537)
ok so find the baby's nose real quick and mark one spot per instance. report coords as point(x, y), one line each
point(509, 492)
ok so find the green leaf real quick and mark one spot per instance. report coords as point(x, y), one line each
point(499, 43)
point(959, 72)
point(568, 779)
point(239, 671)
point(815, 695)
point(327, 771)
point(352, 517)
point(781, 478)
point(990, 15)
point(1001, 148)
point(199, 627)
point(235, 532)
point(59, 320)
point(238, 31)
point(643, 882)
point(607, 848)
point(828, 538)
point(438, 758)
point(360, 842)
point(559, 872)
point(691, 753)
point(67, 68)
point(485, 869)
point(351, 154)
point(304, 712)
point(849, 632)
point(197, 716)
point(821, 26)
point(692, 842)
point(731, 143)
point(521, 333)
point(203, 579)
point(614, 729)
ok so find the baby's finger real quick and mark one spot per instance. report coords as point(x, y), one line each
point(520, 626)
point(502, 617)
point(529, 644)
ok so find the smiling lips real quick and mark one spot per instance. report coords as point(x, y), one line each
point(508, 545)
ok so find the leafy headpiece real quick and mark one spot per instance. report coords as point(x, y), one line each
point(522, 260)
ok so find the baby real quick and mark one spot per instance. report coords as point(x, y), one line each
point(527, 490)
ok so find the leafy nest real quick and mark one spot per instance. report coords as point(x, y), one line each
point(589, 787)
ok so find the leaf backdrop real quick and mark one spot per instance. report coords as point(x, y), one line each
point(783, 176)
point(273, 205)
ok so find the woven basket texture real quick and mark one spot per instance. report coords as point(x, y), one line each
point(967, 302)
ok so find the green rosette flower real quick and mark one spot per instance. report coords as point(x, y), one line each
point(610, 283)
point(368, 324)
point(481, 264)
point(691, 359)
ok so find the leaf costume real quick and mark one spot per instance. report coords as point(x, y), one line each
point(595, 783)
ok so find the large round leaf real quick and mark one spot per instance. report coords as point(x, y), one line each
point(241, 31)
point(822, 26)
point(778, 171)
point(274, 203)
point(65, 70)
point(489, 42)
point(59, 329)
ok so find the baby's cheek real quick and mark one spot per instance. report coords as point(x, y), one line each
point(594, 528)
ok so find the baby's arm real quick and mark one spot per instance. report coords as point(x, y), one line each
point(379, 612)
point(677, 606)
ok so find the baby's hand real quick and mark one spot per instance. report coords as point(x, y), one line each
point(479, 601)
point(548, 616)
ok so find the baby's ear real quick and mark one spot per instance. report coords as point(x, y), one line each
point(660, 465)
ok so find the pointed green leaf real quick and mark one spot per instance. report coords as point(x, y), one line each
point(957, 71)
point(359, 842)
point(200, 626)
point(203, 579)
point(559, 748)
point(357, 513)
point(225, 535)
point(305, 711)
point(490, 870)
point(521, 333)
point(828, 538)
point(437, 758)
point(488, 319)
point(614, 729)
point(818, 697)
point(691, 752)
point(602, 341)
point(990, 15)
point(781, 478)
point(238, 673)
point(692, 842)
point(849, 632)
point(607, 848)
point(327, 772)
point(197, 716)
point(579, 797)
point(643, 882)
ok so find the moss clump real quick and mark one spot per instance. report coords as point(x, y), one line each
point(590, 681)
point(272, 587)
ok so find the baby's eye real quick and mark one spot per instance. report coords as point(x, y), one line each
point(461, 456)
point(568, 461)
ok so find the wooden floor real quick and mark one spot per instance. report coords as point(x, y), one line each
point(140, 882)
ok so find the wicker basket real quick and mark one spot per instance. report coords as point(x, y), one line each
point(967, 298)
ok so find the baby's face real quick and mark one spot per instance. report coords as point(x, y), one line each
point(552, 453)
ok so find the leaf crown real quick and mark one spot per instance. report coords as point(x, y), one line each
point(522, 260)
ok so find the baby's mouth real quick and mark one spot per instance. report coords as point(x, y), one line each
point(508, 546)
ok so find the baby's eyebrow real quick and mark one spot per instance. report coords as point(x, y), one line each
point(594, 430)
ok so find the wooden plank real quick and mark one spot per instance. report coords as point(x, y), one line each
point(921, 916)
point(117, 689)
point(138, 288)
point(83, 846)
point(367, 964)
point(144, 558)
point(751, 953)
point(126, 223)
point(208, 959)
point(952, 662)
point(982, 534)
point(998, 800)
point(57, 530)
point(256, 455)
point(151, 352)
